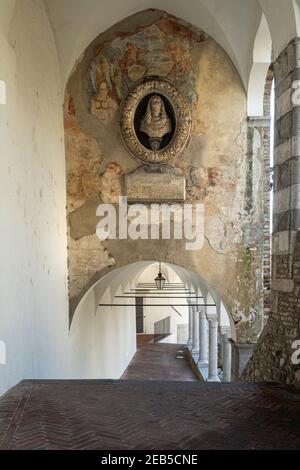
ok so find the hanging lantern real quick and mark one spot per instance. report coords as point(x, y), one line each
point(160, 279)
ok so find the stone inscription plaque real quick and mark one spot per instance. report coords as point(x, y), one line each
point(143, 186)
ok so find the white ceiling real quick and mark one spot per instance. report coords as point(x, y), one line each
point(232, 23)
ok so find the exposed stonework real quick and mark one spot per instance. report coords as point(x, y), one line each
point(272, 359)
point(220, 170)
point(266, 195)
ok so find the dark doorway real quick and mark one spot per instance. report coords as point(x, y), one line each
point(139, 314)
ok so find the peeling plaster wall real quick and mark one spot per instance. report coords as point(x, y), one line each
point(222, 164)
point(33, 275)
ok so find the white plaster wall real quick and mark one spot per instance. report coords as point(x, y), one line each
point(6, 11)
point(33, 275)
point(103, 339)
point(155, 314)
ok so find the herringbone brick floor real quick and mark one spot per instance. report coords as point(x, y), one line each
point(160, 362)
point(149, 415)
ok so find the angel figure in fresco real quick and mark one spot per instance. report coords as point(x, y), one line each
point(103, 106)
point(155, 123)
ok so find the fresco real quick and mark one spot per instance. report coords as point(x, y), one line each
point(162, 49)
point(84, 162)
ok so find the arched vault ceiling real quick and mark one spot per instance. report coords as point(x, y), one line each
point(283, 19)
point(232, 23)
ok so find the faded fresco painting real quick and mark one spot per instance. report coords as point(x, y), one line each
point(162, 49)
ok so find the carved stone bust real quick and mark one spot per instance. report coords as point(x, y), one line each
point(155, 121)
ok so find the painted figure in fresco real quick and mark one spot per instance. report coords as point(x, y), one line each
point(155, 122)
point(103, 106)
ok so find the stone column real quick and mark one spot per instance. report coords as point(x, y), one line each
point(226, 353)
point(213, 349)
point(203, 338)
point(195, 345)
point(271, 360)
point(190, 339)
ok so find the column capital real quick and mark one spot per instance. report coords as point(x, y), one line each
point(259, 121)
point(202, 313)
point(212, 317)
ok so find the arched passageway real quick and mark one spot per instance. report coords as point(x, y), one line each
point(109, 317)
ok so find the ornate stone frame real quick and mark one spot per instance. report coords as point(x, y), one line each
point(182, 115)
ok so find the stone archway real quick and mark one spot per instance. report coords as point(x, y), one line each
point(104, 320)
